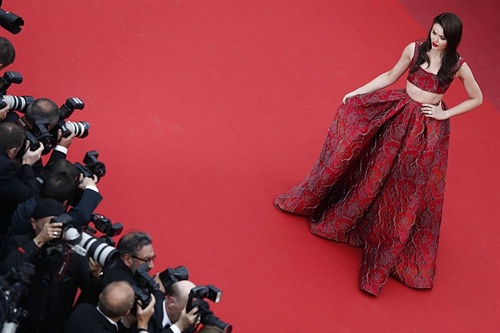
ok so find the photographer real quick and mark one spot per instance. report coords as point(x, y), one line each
point(59, 271)
point(115, 302)
point(17, 183)
point(171, 314)
point(136, 248)
point(60, 185)
point(7, 57)
point(46, 111)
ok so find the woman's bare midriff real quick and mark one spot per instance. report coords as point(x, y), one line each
point(422, 96)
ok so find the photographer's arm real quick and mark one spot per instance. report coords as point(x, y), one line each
point(89, 280)
point(32, 160)
point(19, 249)
point(17, 188)
point(24, 248)
point(82, 211)
point(61, 150)
point(47, 233)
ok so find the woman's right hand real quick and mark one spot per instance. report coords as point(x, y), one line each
point(347, 96)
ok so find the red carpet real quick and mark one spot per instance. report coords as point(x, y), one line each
point(203, 111)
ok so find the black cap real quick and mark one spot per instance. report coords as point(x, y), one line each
point(47, 207)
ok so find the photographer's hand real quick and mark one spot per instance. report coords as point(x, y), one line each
point(188, 319)
point(65, 142)
point(85, 181)
point(143, 315)
point(31, 157)
point(95, 268)
point(49, 231)
point(3, 112)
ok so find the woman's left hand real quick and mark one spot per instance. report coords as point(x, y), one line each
point(433, 111)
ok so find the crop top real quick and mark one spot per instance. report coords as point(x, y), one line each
point(425, 80)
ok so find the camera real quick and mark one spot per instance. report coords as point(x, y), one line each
point(104, 226)
point(92, 166)
point(197, 297)
point(40, 132)
point(80, 128)
point(10, 21)
point(84, 244)
point(172, 275)
point(12, 286)
point(146, 285)
point(17, 103)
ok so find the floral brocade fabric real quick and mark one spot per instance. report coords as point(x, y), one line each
point(378, 184)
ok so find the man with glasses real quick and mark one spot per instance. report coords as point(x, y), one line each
point(136, 248)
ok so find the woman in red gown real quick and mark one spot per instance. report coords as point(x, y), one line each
point(379, 180)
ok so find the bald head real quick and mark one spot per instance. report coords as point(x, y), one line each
point(116, 299)
point(177, 298)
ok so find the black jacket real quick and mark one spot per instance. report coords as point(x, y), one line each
point(59, 273)
point(86, 319)
point(17, 184)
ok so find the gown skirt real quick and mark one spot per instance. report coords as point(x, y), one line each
point(379, 184)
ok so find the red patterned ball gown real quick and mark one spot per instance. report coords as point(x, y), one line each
point(379, 184)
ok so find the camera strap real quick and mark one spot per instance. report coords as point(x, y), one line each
point(64, 266)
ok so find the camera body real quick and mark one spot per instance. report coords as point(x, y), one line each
point(172, 275)
point(17, 103)
point(201, 292)
point(145, 286)
point(197, 297)
point(92, 166)
point(80, 128)
point(38, 133)
point(104, 226)
point(13, 285)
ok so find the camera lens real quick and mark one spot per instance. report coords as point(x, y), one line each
point(79, 128)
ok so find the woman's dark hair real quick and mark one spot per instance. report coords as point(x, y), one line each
point(452, 29)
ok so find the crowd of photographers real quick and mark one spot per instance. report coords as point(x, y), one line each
point(60, 270)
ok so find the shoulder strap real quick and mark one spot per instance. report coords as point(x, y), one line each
point(415, 53)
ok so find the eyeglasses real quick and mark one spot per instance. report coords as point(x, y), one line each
point(146, 260)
